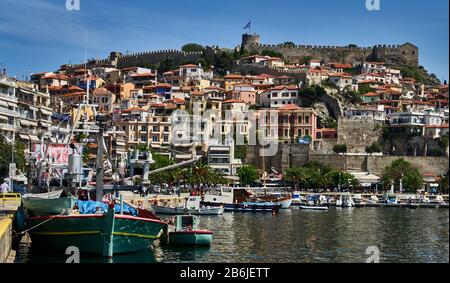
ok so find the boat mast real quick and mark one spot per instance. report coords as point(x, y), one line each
point(99, 164)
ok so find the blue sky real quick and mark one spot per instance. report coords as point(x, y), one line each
point(41, 35)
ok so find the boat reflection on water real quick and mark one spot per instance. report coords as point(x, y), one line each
point(156, 254)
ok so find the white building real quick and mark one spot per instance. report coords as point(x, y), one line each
point(221, 158)
point(373, 113)
point(342, 81)
point(373, 67)
point(279, 96)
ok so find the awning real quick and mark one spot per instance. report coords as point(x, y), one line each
point(45, 123)
point(24, 137)
point(46, 112)
point(34, 138)
point(25, 123)
point(28, 123)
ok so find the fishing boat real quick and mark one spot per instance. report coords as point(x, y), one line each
point(192, 206)
point(106, 226)
point(238, 200)
point(185, 231)
point(279, 199)
point(104, 233)
point(48, 203)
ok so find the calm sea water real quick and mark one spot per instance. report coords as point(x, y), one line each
point(298, 236)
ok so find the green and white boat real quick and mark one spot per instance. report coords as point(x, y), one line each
point(104, 234)
point(185, 232)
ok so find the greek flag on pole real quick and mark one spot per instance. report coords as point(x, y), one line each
point(248, 25)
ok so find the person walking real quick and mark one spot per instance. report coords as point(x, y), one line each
point(4, 188)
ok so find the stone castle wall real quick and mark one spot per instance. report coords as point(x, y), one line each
point(143, 59)
point(358, 133)
point(391, 54)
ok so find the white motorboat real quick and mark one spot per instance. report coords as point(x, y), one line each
point(345, 200)
point(322, 208)
point(192, 206)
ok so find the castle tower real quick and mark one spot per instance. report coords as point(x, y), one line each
point(249, 40)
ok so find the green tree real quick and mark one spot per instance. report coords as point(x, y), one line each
point(200, 174)
point(373, 148)
point(271, 53)
point(247, 175)
point(342, 178)
point(297, 176)
point(167, 64)
point(160, 162)
point(435, 151)
point(289, 44)
point(364, 88)
point(6, 150)
point(192, 47)
point(340, 148)
point(401, 169)
point(354, 97)
point(444, 183)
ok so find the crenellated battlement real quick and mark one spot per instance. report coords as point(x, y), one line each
point(406, 53)
point(119, 60)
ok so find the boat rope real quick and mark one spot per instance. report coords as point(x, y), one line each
point(37, 225)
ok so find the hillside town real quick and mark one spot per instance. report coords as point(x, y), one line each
point(170, 132)
point(317, 104)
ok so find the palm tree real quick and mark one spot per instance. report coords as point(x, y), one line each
point(296, 176)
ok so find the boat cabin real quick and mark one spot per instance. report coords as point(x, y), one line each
point(227, 196)
point(185, 222)
point(193, 202)
point(391, 198)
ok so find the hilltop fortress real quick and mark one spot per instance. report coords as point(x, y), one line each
point(406, 54)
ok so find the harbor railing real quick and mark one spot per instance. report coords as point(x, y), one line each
point(10, 199)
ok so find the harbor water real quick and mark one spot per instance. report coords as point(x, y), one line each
point(297, 236)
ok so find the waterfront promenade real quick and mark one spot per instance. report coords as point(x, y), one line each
point(8, 207)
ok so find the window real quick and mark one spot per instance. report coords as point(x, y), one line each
point(155, 139)
point(299, 119)
point(300, 132)
point(155, 129)
point(286, 132)
point(143, 138)
point(306, 119)
point(306, 132)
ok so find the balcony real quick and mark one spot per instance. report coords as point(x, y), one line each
point(8, 97)
point(9, 112)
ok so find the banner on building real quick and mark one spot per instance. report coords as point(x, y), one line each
point(57, 153)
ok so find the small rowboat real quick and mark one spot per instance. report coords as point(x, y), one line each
point(185, 232)
point(323, 208)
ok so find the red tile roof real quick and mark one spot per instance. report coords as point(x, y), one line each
point(290, 107)
point(233, 101)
